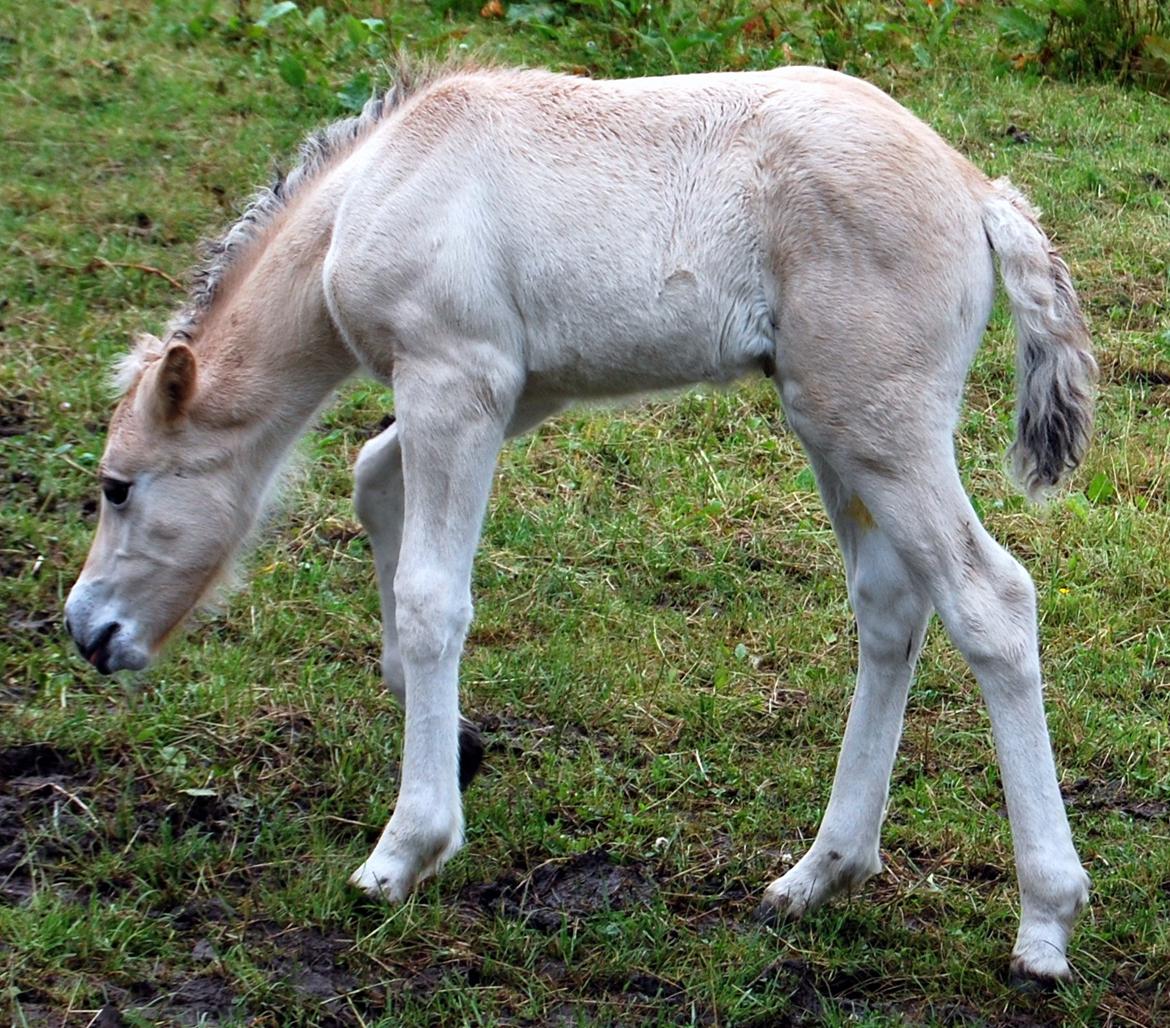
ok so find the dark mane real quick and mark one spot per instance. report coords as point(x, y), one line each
point(318, 151)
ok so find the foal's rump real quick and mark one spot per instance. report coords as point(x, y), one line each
point(881, 247)
point(883, 274)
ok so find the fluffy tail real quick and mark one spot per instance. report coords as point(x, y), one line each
point(1055, 369)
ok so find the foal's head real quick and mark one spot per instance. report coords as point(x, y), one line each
point(179, 495)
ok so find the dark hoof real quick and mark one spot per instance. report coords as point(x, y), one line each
point(768, 915)
point(470, 752)
point(1029, 985)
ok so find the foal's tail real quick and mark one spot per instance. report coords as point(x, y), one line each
point(1055, 369)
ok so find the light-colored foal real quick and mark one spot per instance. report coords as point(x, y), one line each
point(496, 244)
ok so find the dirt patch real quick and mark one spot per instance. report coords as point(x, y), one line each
point(523, 736)
point(11, 566)
point(203, 1000)
point(35, 759)
point(376, 430)
point(812, 995)
point(16, 416)
point(1111, 794)
point(23, 624)
point(571, 889)
point(797, 980)
point(709, 899)
point(307, 970)
point(458, 973)
point(41, 785)
point(52, 812)
point(314, 967)
point(1121, 372)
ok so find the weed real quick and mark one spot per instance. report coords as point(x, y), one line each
point(1125, 40)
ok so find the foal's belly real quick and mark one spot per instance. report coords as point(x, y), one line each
point(613, 364)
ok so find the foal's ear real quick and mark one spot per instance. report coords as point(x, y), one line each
point(174, 385)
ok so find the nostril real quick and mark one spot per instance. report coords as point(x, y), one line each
point(100, 658)
point(98, 650)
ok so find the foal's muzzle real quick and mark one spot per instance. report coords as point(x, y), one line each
point(104, 640)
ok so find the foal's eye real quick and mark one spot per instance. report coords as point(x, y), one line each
point(115, 491)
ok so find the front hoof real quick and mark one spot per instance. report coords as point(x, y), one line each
point(382, 881)
point(1038, 970)
point(772, 914)
point(782, 903)
point(413, 847)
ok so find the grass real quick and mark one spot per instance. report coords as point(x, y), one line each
point(662, 654)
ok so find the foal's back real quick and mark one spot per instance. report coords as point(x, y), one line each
point(613, 237)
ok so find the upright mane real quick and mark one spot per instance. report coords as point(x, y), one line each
point(319, 151)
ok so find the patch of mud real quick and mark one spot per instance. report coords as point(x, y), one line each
point(35, 760)
point(1111, 795)
point(16, 416)
point(39, 784)
point(314, 967)
point(10, 566)
point(556, 891)
point(920, 861)
point(1120, 371)
point(210, 813)
point(639, 997)
point(340, 533)
point(203, 1000)
point(376, 430)
point(641, 985)
point(307, 969)
point(458, 973)
point(313, 971)
point(53, 814)
point(796, 980)
point(524, 736)
point(815, 998)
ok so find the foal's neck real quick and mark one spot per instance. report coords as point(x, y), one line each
point(269, 351)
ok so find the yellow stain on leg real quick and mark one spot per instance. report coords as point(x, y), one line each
point(859, 512)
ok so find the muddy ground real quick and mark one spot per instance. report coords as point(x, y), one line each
point(54, 812)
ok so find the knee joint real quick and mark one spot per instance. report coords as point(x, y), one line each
point(996, 621)
point(431, 621)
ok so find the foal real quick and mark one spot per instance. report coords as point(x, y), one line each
point(498, 243)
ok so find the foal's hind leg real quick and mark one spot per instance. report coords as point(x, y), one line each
point(378, 501)
point(986, 601)
point(892, 611)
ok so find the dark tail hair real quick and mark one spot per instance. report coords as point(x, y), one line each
point(1056, 372)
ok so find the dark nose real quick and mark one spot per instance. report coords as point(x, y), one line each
point(98, 654)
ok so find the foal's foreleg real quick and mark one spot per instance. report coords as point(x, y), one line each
point(450, 438)
point(378, 501)
point(892, 611)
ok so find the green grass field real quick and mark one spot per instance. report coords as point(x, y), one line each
point(663, 653)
